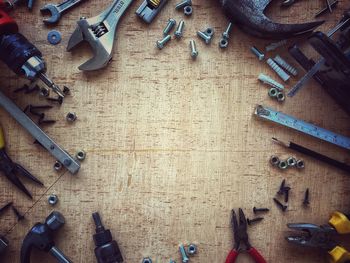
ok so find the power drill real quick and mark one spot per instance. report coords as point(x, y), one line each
point(21, 56)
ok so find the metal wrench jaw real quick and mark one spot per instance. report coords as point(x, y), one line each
point(53, 12)
point(249, 15)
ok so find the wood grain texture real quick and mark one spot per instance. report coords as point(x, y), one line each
point(171, 143)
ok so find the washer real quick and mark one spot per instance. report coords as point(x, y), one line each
point(54, 37)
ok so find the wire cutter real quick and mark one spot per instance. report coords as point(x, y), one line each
point(10, 169)
point(241, 236)
point(314, 236)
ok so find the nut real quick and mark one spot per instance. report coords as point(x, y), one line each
point(55, 220)
point(44, 92)
point(53, 199)
point(274, 160)
point(209, 31)
point(280, 97)
point(147, 260)
point(188, 10)
point(273, 92)
point(81, 155)
point(300, 164)
point(283, 165)
point(292, 162)
point(223, 43)
point(57, 166)
point(192, 249)
point(71, 117)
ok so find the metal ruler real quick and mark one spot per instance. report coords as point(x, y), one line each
point(302, 126)
point(60, 154)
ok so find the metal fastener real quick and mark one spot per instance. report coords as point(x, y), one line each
point(209, 31)
point(273, 92)
point(300, 164)
point(223, 43)
point(183, 4)
point(280, 96)
point(257, 53)
point(57, 166)
point(226, 33)
point(269, 81)
point(161, 43)
point(192, 249)
point(292, 161)
point(194, 51)
point(284, 64)
point(183, 253)
point(204, 36)
point(147, 260)
point(254, 220)
point(280, 72)
point(280, 205)
point(286, 193)
point(54, 37)
point(180, 29)
point(52, 199)
point(44, 92)
point(188, 10)
point(257, 210)
point(274, 160)
point(306, 200)
point(71, 117)
point(283, 165)
point(81, 155)
point(169, 26)
point(281, 189)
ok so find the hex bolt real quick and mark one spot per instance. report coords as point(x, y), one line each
point(275, 45)
point(271, 82)
point(284, 64)
point(283, 165)
point(280, 96)
point(274, 160)
point(194, 51)
point(280, 205)
point(254, 220)
point(169, 26)
point(57, 166)
point(81, 155)
point(183, 253)
point(273, 92)
point(52, 199)
point(192, 249)
point(286, 194)
point(19, 216)
point(204, 36)
point(300, 164)
point(147, 260)
point(281, 189)
point(183, 4)
point(188, 10)
point(180, 30)
point(292, 161)
point(279, 71)
point(257, 53)
point(71, 117)
point(161, 43)
point(306, 200)
point(226, 33)
point(257, 210)
point(223, 43)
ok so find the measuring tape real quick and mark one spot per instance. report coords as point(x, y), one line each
point(302, 126)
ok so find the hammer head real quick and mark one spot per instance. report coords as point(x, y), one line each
point(249, 15)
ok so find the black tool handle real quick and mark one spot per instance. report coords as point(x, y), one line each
point(343, 166)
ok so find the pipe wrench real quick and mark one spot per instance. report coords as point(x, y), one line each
point(99, 32)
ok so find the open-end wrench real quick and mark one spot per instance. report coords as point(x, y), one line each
point(56, 10)
point(99, 32)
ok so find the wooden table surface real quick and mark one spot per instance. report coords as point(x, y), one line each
point(172, 145)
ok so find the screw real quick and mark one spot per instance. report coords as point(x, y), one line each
point(257, 53)
point(281, 189)
point(284, 64)
point(192, 249)
point(286, 193)
point(53, 199)
point(254, 220)
point(280, 72)
point(271, 82)
point(183, 253)
point(275, 45)
point(59, 100)
point(194, 51)
point(161, 43)
point(18, 214)
point(300, 164)
point(280, 205)
point(188, 10)
point(306, 200)
point(183, 4)
point(169, 26)
point(180, 29)
point(227, 32)
point(204, 36)
point(71, 117)
point(257, 210)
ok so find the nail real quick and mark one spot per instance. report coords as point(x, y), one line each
point(256, 210)
point(254, 220)
point(306, 201)
point(286, 194)
point(280, 205)
point(281, 189)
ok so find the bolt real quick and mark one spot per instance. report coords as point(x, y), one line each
point(257, 210)
point(306, 200)
point(161, 43)
point(280, 72)
point(254, 220)
point(194, 51)
point(59, 100)
point(183, 253)
point(204, 36)
point(188, 10)
point(183, 4)
point(257, 53)
point(300, 164)
point(53, 199)
point(18, 214)
point(286, 193)
point(271, 82)
point(284, 64)
point(71, 117)
point(227, 32)
point(192, 249)
point(169, 26)
point(280, 205)
point(281, 189)
point(180, 29)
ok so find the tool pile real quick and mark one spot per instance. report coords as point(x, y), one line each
point(331, 71)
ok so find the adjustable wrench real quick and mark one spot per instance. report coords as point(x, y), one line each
point(99, 32)
point(57, 10)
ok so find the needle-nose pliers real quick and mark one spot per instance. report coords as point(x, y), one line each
point(11, 169)
point(241, 236)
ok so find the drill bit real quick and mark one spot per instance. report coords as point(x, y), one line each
point(50, 84)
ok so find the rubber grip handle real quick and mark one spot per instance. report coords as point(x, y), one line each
point(256, 255)
point(232, 256)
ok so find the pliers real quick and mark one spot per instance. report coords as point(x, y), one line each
point(314, 236)
point(241, 236)
point(10, 169)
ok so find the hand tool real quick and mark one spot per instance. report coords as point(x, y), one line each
point(57, 10)
point(99, 32)
point(310, 235)
point(61, 155)
point(249, 15)
point(241, 236)
point(301, 149)
point(324, 10)
point(21, 56)
point(107, 249)
point(41, 237)
point(149, 9)
point(3, 244)
point(11, 169)
point(302, 126)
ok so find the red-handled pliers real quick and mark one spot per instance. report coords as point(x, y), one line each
point(241, 236)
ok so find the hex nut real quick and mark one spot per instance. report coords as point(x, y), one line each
point(280, 97)
point(209, 31)
point(223, 43)
point(71, 117)
point(147, 260)
point(273, 92)
point(55, 220)
point(283, 165)
point(292, 162)
point(57, 166)
point(81, 155)
point(53, 199)
point(192, 249)
point(300, 164)
point(188, 10)
point(274, 160)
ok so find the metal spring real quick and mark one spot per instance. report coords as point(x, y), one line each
point(280, 72)
point(284, 64)
point(154, 3)
point(99, 30)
